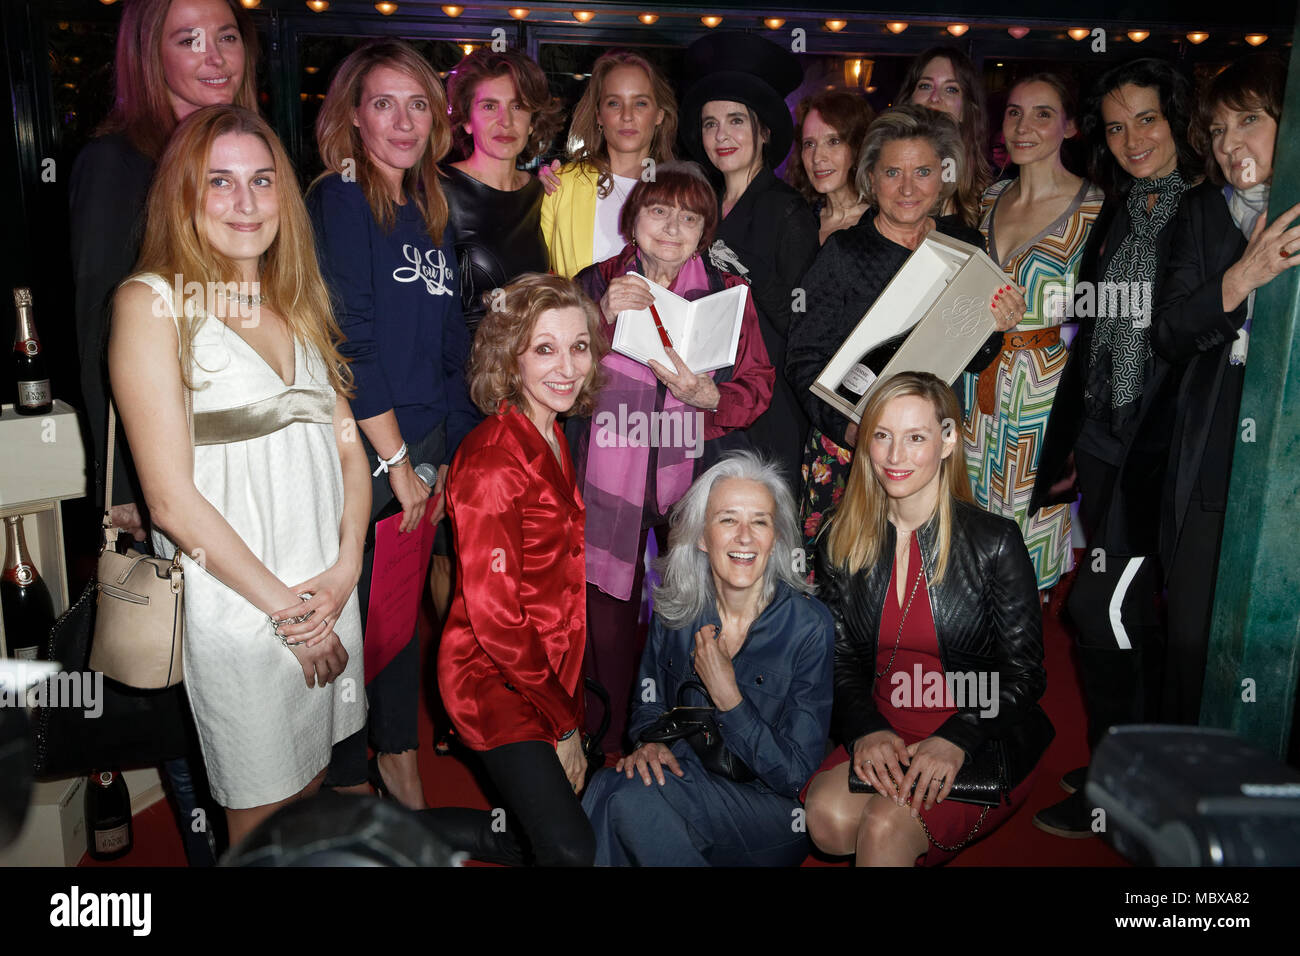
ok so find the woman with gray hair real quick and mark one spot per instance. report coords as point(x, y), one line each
point(908, 168)
point(732, 581)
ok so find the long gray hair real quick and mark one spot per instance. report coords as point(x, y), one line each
point(687, 588)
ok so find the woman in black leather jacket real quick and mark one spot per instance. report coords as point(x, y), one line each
point(502, 113)
point(940, 600)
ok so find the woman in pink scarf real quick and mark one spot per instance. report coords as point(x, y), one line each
point(654, 428)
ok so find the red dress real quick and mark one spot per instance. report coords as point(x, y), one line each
point(916, 708)
point(510, 661)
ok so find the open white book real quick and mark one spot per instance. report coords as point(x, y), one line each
point(705, 332)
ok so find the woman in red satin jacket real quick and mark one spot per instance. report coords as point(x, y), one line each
point(510, 662)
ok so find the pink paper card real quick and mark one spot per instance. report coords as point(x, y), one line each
point(396, 583)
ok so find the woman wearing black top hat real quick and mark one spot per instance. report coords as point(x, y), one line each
point(734, 115)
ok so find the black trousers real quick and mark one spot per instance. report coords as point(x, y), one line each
point(1114, 605)
point(1193, 573)
point(542, 822)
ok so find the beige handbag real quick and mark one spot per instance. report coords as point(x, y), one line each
point(140, 608)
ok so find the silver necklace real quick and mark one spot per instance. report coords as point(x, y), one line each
point(898, 639)
point(249, 300)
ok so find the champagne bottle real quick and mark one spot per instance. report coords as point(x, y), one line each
point(34, 396)
point(863, 373)
point(28, 610)
point(108, 816)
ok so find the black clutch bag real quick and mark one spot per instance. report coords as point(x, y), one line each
point(698, 725)
point(989, 776)
point(981, 780)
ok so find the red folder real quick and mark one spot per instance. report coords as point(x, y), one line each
point(396, 583)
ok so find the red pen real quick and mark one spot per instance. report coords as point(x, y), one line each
point(663, 333)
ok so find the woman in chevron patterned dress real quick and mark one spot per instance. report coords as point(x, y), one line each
point(1035, 228)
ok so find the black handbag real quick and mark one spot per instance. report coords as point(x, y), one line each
point(133, 728)
point(591, 743)
point(985, 780)
point(698, 725)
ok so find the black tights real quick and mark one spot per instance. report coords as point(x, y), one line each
point(542, 823)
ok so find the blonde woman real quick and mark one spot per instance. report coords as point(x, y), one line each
point(627, 115)
point(269, 506)
point(922, 583)
point(388, 257)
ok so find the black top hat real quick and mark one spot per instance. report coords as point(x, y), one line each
point(744, 68)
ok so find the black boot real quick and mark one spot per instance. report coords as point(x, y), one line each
point(1073, 781)
point(472, 831)
point(1071, 818)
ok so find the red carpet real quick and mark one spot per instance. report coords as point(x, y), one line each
point(448, 782)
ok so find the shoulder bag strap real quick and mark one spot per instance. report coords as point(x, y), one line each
point(110, 532)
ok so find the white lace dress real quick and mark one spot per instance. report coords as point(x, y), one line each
point(265, 457)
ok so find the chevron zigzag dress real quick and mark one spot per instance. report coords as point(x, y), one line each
point(1002, 449)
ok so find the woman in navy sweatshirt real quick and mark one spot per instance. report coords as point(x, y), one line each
point(387, 254)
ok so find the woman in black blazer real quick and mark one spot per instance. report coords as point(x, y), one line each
point(735, 121)
point(926, 591)
point(1202, 324)
point(1113, 404)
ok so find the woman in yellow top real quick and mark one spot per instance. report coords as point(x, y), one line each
point(626, 118)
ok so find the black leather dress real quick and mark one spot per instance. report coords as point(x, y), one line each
point(498, 236)
point(987, 617)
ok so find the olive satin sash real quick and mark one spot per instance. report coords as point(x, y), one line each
point(258, 419)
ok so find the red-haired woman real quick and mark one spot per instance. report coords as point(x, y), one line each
point(830, 128)
point(628, 482)
point(173, 57)
point(510, 661)
point(269, 504)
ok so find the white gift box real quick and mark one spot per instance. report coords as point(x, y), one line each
point(942, 294)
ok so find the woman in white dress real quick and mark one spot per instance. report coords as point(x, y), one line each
point(270, 507)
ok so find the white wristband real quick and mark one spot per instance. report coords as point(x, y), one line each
point(386, 463)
